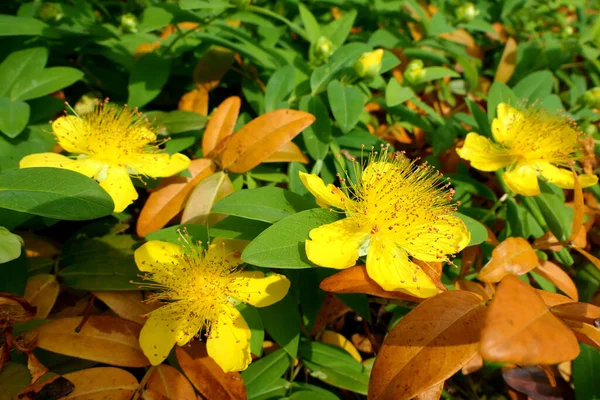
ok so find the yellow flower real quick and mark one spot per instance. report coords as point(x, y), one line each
point(368, 64)
point(397, 210)
point(202, 289)
point(528, 144)
point(111, 144)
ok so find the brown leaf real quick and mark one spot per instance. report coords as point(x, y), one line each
point(362, 343)
point(195, 101)
point(170, 383)
point(212, 67)
point(534, 382)
point(473, 365)
point(263, 136)
point(549, 242)
point(513, 256)
point(582, 312)
point(331, 309)
point(103, 338)
point(469, 256)
point(14, 309)
point(206, 375)
point(552, 299)
point(356, 280)
point(508, 62)
point(519, 328)
point(101, 383)
point(127, 304)
point(434, 270)
point(37, 246)
point(169, 197)
point(203, 198)
point(221, 124)
point(587, 255)
point(41, 291)
point(428, 345)
point(558, 277)
point(578, 206)
point(433, 393)
point(55, 387)
point(585, 333)
point(474, 287)
point(35, 367)
point(289, 152)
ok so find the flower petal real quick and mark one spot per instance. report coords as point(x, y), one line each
point(563, 178)
point(329, 195)
point(507, 115)
point(72, 133)
point(390, 268)
point(434, 242)
point(86, 166)
point(167, 325)
point(253, 287)
point(229, 341)
point(483, 154)
point(118, 185)
point(152, 256)
point(158, 165)
point(522, 179)
point(226, 250)
point(336, 245)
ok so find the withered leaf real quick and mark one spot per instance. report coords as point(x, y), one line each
point(508, 62)
point(41, 291)
point(170, 383)
point(221, 124)
point(558, 277)
point(513, 256)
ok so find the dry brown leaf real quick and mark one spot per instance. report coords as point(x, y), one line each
point(578, 206)
point(356, 280)
point(103, 338)
point(589, 256)
point(474, 365)
point(195, 101)
point(41, 291)
point(183, 26)
point(221, 124)
point(35, 367)
point(14, 309)
point(127, 304)
point(55, 387)
point(101, 383)
point(169, 197)
point(362, 343)
point(585, 333)
point(513, 256)
point(331, 309)
point(433, 393)
point(206, 375)
point(212, 66)
point(170, 383)
point(508, 62)
point(558, 277)
point(468, 257)
point(289, 152)
point(473, 287)
point(552, 299)
point(203, 198)
point(37, 246)
point(534, 382)
point(434, 270)
point(338, 340)
point(263, 136)
point(582, 312)
point(428, 345)
point(519, 328)
point(550, 242)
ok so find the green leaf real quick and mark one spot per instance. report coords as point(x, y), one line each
point(54, 193)
point(178, 121)
point(264, 372)
point(499, 93)
point(154, 18)
point(104, 263)
point(282, 321)
point(14, 275)
point(434, 73)
point(478, 231)
point(346, 104)
point(279, 87)
point(13, 378)
point(535, 86)
point(557, 215)
point(18, 63)
point(268, 204)
point(10, 245)
point(252, 318)
point(148, 76)
point(34, 84)
point(338, 30)
point(306, 391)
point(586, 369)
point(313, 30)
point(234, 227)
point(397, 94)
point(14, 115)
point(34, 139)
point(172, 234)
point(276, 390)
point(482, 120)
point(344, 57)
point(318, 135)
point(11, 25)
point(282, 244)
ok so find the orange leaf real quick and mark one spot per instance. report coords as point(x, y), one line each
point(579, 207)
point(203, 197)
point(434, 270)
point(512, 256)
point(587, 255)
point(105, 339)
point(585, 333)
point(469, 256)
point(127, 304)
point(552, 299)
point(474, 365)
point(41, 291)
point(519, 328)
point(195, 101)
point(433, 393)
point(582, 312)
point(206, 375)
point(170, 196)
point(508, 62)
point(558, 277)
point(356, 280)
point(474, 287)
point(262, 137)
point(338, 340)
point(221, 124)
point(289, 152)
point(331, 309)
point(145, 48)
point(170, 383)
point(212, 66)
point(101, 383)
point(14, 309)
point(428, 345)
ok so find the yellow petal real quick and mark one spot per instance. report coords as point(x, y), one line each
point(522, 179)
point(326, 195)
point(229, 341)
point(377, 175)
point(167, 325)
point(448, 235)
point(118, 185)
point(228, 251)
point(86, 166)
point(483, 154)
point(158, 165)
point(390, 268)
point(259, 290)
point(563, 178)
point(336, 245)
point(153, 255)
point(72, 133)
point(507, 115)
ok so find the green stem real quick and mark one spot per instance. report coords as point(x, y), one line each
point(290, 24)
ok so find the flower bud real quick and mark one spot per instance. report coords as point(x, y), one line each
point(129, 23)
point(87, 103)
point(368, 64)
point(323, 49)
point(466, 12)
point(591, 98)
point(414, 72)
point(50, 12)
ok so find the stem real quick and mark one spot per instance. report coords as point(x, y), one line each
point(290, 24)
point(316, 169)
point(143, 382)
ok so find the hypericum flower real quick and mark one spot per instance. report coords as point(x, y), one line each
point(368, 64)
point(202, 289)
point(112, 144)
point(527, 143)
point(396, 210)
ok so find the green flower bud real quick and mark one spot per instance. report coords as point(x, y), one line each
point(368, 64)
point(323, 49)
point(129, 23)
point(87, 103)
point(467, 12)
point(591, 98)
point(414, 72)
point(50, 12)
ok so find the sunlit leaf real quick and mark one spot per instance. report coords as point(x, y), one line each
point(512, 256)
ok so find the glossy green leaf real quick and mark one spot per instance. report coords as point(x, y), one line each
point(18, 63)
point(283, 323)
point(317, 136)
point(252, 318)
point(478, 231)
point(10, 245)
point(14, 115)
point(173, 234)
point(148, 76)
point(535, 86)
point(264, 372)
point(346, 104)
point(397, 94)
point(279, 88)
point(170, 123)
point(338, 30)
point(11, 25)
point(240, 228)
point(313, 30)
point(499, 93)
point(344, 57)
point(434, 73)
point(34, 84)
point(585, 373)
